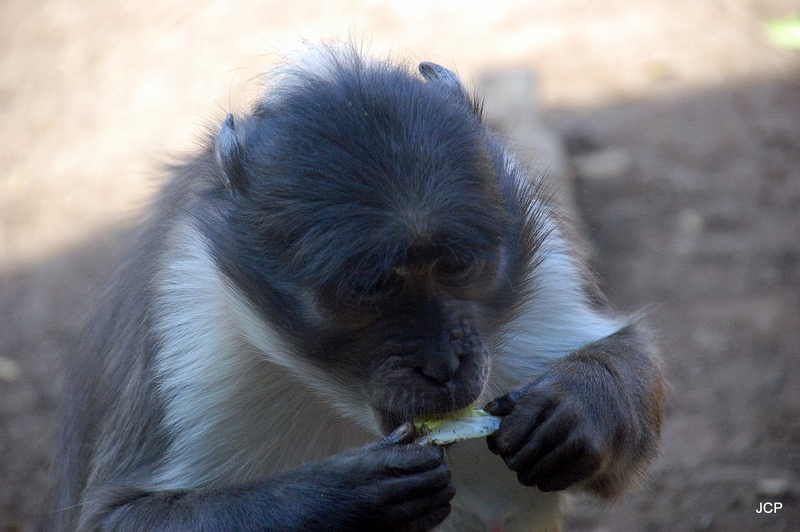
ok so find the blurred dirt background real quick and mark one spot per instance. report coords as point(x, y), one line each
point(680, 121)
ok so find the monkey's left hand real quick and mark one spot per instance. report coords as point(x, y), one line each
point(558, 430)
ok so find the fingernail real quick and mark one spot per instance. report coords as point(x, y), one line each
point(403, 433)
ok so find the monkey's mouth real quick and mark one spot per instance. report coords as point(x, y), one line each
point(390, 419)
point(400, 390)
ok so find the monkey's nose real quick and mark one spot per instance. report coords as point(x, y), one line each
point(441, 367)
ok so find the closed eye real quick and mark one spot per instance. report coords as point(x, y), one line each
point(458, 272)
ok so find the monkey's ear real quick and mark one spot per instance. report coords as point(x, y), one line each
point(434, 72)
point(439, 74)
point(229, 154)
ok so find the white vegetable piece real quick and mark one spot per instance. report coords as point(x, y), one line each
point(463, 424)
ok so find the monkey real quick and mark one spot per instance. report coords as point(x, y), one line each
point(358, 249)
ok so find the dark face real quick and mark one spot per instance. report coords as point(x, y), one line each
point(366, 223)
point(414, 341)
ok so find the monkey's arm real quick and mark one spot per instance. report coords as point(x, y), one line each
point(592, 418)
point(382, 486)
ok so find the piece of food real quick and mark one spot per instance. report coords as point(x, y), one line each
point(464, 424)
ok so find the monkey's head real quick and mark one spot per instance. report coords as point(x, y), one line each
point(366, 217)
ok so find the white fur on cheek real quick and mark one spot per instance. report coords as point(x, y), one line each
point(232, 388)
point(555, 321)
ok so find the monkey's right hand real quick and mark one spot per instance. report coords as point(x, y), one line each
point(390, 485)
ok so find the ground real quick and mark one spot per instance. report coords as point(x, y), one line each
point(681, 122)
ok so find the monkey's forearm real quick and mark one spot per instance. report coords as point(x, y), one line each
point(621, 380)
point(270, 505)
